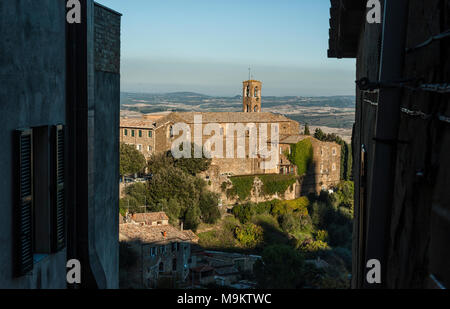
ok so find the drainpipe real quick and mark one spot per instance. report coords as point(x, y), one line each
point(386, 135)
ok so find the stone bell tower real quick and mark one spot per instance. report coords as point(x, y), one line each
point(252, 96)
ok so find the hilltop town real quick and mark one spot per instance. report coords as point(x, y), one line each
point(216, 206)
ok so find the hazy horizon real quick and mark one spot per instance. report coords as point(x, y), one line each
point(207, 46)
point(231, 96)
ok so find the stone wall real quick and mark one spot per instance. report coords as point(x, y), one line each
point(325, 171)
point(215, 179)
point(107, 39)
point(146, 141)
point(106, 145)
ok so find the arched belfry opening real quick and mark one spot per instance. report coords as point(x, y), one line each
point(252, 96)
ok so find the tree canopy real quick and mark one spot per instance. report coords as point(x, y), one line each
point(131, 160)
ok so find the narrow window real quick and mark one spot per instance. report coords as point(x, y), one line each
point(140, 133)
point(125, 132)
point(132, 133)
point(24, 206)
point(42, 227)
point(58, 198)
point(150, 134)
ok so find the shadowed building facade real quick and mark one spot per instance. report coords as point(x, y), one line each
point(60, 100)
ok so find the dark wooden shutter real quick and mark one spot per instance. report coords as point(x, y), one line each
point(58, 198)
point(24, 209)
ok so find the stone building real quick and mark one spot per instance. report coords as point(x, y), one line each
point(401, 139)
point(139, 133)
point(164, 251)
point(153, 218)
point(324, 173)
point(251, 95)
point(59, 102)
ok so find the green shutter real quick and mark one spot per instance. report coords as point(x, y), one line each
point(149, 133)
point(24, 206)
point(58, 192)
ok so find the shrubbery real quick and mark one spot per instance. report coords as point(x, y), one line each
point(281, 267)
point(241, 187)
point(276, 184)
point(176, 190)
point(249, 235)
point(302, 155)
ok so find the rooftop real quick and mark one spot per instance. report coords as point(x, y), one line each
point(231, 117)
point(153, 234)
point(138, 123)
point(150, 217)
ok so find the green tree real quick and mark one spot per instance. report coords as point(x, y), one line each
point(281, 267)
point(307, 132)
point(250, 235)
point(160, 161)
point(129, 204)
point(193, 165)
point(131, 160)
point(192, 218)
point(244, 212)
point(209, 207)
point(319, 134)
point(138, 191)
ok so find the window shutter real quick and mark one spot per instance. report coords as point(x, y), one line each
point(58, 198)
point(24, 209)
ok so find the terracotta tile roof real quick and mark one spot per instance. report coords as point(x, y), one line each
point(192, 235)
point(152, 234)
point(138, 123)
point(150, 217)
point(292, 139)
point(230, 117)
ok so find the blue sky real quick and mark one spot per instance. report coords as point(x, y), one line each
point(207, 46)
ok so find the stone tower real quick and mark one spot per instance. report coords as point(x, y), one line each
point(252, 96)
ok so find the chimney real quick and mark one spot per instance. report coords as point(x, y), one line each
point(181, 226)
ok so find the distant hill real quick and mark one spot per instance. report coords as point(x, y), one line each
point(333, 111)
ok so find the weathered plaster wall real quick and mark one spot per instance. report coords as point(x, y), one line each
point(32, 94)
point(107, 111)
